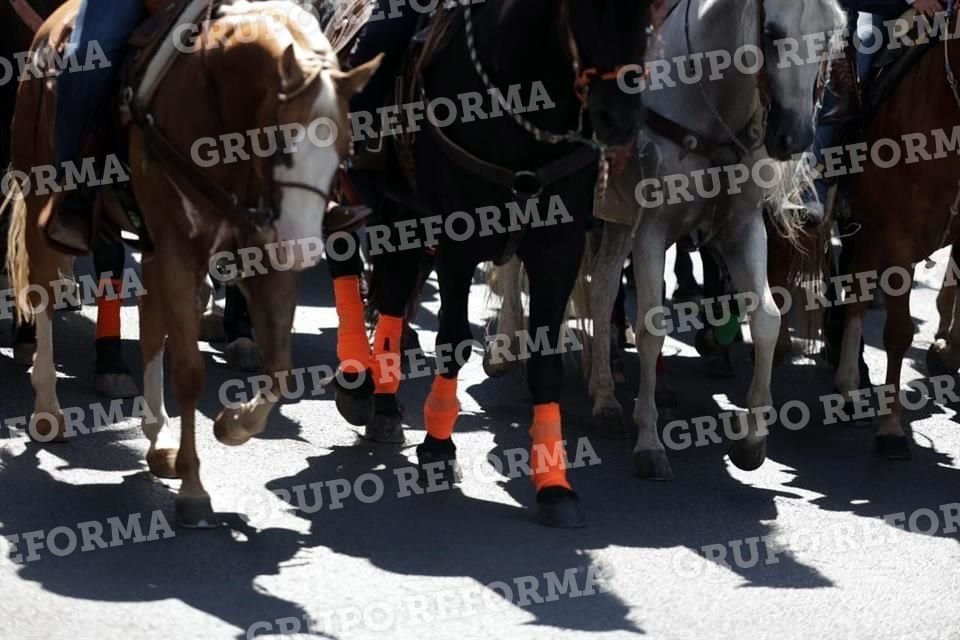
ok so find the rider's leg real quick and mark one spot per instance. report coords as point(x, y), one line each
point(99, 37)
point(101, 26)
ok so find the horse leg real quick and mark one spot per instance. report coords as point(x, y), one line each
point(943, 356)
point(509, 321)
point(162, 454)
point(275, 295)
point(552, 270)
point(891, 442)
point(649, 256)
point(47, 421)
point(179, 280)
point(241, 352)
point(354, 385)
point(399, 271)
point(436, 456)
point(746, 258)
point(607, 419)
point(113, 379)
point(211, 321)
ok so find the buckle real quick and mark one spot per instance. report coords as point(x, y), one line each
point(526, 185)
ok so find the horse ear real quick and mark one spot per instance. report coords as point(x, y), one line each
point(350, 83)
point(291, 75)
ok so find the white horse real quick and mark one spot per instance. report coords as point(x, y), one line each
point(696, 134)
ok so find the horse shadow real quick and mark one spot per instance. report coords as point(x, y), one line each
point(210, 571)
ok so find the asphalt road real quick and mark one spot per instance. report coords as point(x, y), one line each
point(471, 562)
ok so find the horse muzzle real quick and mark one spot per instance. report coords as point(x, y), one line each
point(788, 133)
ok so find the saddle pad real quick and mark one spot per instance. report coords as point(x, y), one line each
point(166, 53)
point(891, 66)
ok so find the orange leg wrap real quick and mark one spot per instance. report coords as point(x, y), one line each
point(547, 456)
point(108, 309)
point(386, 354)
point(441, 409)
point(353, 347)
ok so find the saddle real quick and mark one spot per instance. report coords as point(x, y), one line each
point(152, 50)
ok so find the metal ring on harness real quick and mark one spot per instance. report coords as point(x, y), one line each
point(522, 183)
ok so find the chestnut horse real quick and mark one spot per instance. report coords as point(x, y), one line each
point(271, 65)
point(903, 225)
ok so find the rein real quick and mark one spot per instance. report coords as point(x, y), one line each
point(27, 13)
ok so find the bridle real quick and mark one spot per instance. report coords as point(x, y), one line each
point(761, 78)
point(245, 216)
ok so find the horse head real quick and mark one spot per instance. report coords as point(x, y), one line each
point(279, 89)
point(796, 37)
point(605, 36)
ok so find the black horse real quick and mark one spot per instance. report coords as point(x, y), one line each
point(543, 162)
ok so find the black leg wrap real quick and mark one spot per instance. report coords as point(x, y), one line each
point(354, 396)
point(559, 507)
point(437, 466)
point(387, 423)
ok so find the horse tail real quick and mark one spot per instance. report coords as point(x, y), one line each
point(18, 266)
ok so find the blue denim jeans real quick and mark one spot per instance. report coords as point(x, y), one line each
point(82, 94)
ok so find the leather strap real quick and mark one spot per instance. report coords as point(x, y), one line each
point(524, 184)
point(690, 142)
point(29, 16)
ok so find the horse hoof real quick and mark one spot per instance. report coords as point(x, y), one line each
point(243, 355)
point(116, 385)
point(354, 402)
point(386, 426)
point(609, 423)
point(748, 455)
point(196, 513)
point(941, 360)
point(652, 464)
point(559, 507)
point(892, 447)
point(228, 428)
point(495, 367)
point(211, 326)
point(437, 466)
point(23, 353)
point(163, 463)
point(44, 429)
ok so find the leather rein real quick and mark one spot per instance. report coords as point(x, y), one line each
point(27, 13)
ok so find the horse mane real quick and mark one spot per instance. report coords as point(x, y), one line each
point(288, 17)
